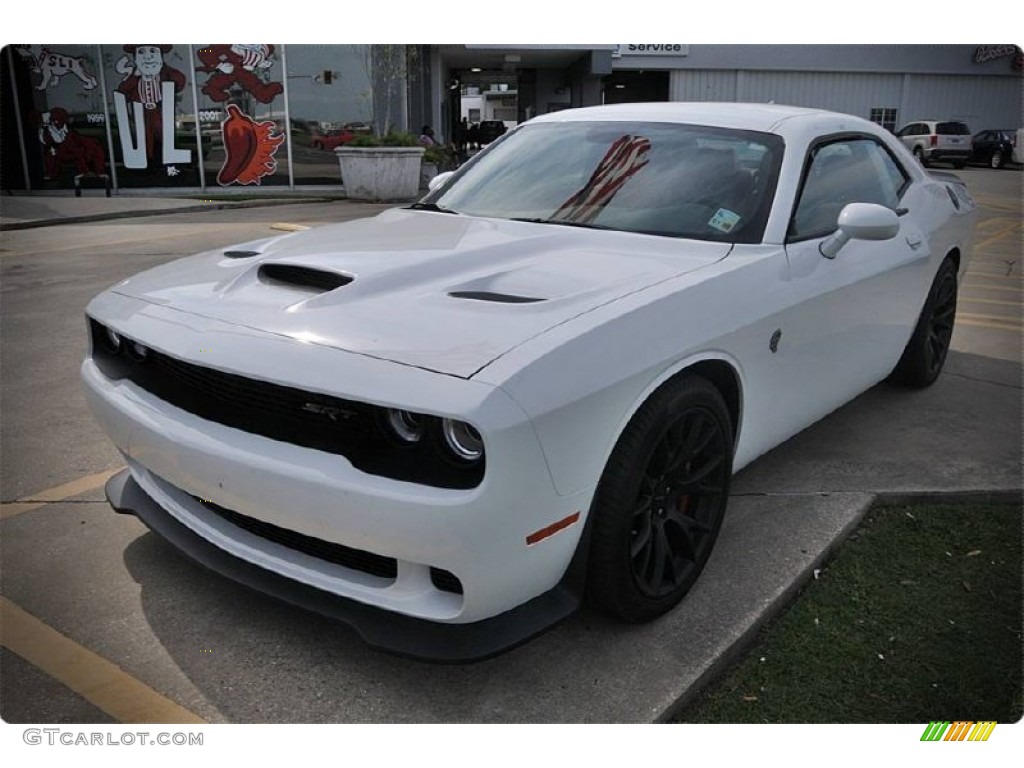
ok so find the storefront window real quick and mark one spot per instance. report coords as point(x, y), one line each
point(185, 117)
point(148, 100)
point(331, 102)
point(242, 114)
point(63, 116)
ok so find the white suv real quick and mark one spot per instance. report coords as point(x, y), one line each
point(938, 141)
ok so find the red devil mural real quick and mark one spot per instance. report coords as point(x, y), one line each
point(249, 148)
point(239, 65)
point(62, 145)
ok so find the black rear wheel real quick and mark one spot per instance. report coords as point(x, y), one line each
point(660, 502)
point(927, 349)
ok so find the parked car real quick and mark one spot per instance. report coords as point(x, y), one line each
point(994, 147)
point(450, 423)
point(934, 141)
point(330, 140)
point(489, 130)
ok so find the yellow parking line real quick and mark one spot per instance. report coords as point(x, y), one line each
point(999, 302)
point(60, 493)
point(991, 321)
point(997, 236)
point(992, 286)
point(101, 683)
point(987, 324)
point(284, 226)
point(997, 203)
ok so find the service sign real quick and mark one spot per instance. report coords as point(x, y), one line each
point(652, 49)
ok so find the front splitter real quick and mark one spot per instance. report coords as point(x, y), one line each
point(384, 630)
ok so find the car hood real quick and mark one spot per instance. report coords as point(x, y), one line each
point(444, 292)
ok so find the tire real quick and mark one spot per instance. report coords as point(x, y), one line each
point(958, 164)
point(919, 154)
point(927, 349)
point(660, 501)
point(996, 161)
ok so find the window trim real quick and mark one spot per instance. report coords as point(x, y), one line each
point(812, 150)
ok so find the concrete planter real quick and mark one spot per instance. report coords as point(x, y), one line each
point(380, 173)
point(427, 172)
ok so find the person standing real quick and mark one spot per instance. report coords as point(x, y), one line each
point(427, 137)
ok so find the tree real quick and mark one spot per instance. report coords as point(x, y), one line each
point(390, 66)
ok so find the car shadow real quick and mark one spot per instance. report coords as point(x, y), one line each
point(260, 660)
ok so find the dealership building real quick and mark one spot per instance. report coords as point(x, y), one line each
point(213, 117)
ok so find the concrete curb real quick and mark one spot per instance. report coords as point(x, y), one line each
point(218, 206)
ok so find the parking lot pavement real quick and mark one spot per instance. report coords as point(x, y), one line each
point(224, 653)
point(148, 626)
point(988, 320)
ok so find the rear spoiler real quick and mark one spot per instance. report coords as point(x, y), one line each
point(948, 177)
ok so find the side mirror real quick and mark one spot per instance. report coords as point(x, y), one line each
point(861, 221)
point(438, 180)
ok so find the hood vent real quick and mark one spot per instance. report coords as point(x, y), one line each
point(302, 277)
point(499, 298)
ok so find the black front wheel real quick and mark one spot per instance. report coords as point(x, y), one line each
point(660, 502)
point(926, 352)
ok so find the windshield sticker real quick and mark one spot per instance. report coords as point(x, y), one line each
point(724, 220)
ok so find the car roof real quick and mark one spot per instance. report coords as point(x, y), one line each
point(768, 118)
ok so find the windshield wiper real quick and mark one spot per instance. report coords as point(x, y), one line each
point(431, 207)
point(580, 224)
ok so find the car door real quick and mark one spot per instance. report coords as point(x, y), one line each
point(982, 145)
point(850, 316)
point(910, 135)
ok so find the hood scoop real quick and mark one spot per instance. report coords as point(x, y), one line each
point(297, 276)
point(498, 298)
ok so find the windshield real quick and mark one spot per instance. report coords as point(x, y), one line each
point(655, 178)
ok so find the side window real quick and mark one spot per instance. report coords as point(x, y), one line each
point(843, 172)
point(893, 179)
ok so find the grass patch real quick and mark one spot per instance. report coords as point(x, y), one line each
point(917, 617)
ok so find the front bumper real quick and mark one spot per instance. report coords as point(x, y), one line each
point(939, 154)
point(182, 466)
point(385, 630)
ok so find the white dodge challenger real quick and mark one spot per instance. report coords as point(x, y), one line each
point(449, 424)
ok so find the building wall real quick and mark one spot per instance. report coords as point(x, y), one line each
point(912, 59)
point(981, 101)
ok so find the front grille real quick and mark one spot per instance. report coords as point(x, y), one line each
point(356, 559)
point(308, 419)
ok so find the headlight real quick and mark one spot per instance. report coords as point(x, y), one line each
point(407, 427)
point(462, 440)
point(113, 340)
point(136, 351)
